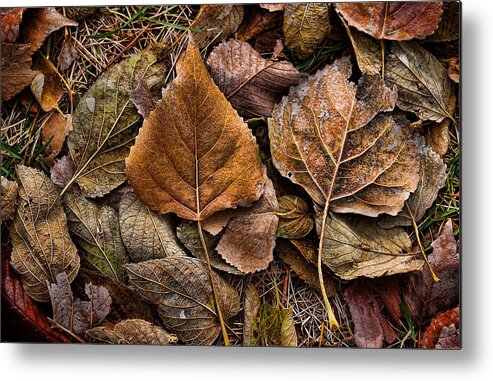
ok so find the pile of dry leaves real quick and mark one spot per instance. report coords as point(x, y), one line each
point(209, 186)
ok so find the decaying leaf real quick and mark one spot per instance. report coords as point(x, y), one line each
point(356, 246)
point(142, 98)
point(62, 171)
point(305, 27)
point(331, 137)
point(453, 69)
point(307, 248)
point(194, 155)
point(388, 290)
point(431, 180)
point(272, 7)
point(251, 83)
point(188, 234)
point(437, 136)
point(68, 54)
point(96, 230)
point(393, 20)
point(294, 219)
point(258, 21)
point(132, 331)
point(11, 18)
point(79, 13)
point(367, 51)
point(41, 244)
point(146, 234)
point(181, 289)
point(449, 27)
point(15, 69)
point(216, 22)
point(46, 86)
point(105, 121)
point(442, 333)
point(74, 314)
point(424, 297)
point(251, 309)
point(449, 338)
point(275, 328)
point(305, 270)
point(53, 132)
point(422, 81)
point(8, 198)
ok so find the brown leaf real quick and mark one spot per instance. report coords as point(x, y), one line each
point(249, 240)
point(453, 69)
point(431, 180)
point(273, 7)
point(216, 23)
point(331, 137)
point(146, 234)
point(74, 314)
point(437, 136)
point(367, 51)
point(142, 97)
point(424, 297)
point(41, 243)
point(68, 54)
point(62, 171)
point(11, 19)
point(305, 27)
point(307, 248)
point(356, 246)
point(46, 85)
point(8, 205)
point(449, 27)
point(251, 309)
point(294, 219)
point(133, 331)
point(449, 338)
point(389, 291)
point(251, 83)
point(442, 333)
point(16, 69)
point(79, 13)
point(194, 155)
point(181, 289)
point(54, 131)
point(393, 20)
point(258, 21)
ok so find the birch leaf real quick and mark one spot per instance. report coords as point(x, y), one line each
point(96, 230)
point(105, 121)
point(305, 27)
point(355, 247)
point(8, 191)
point(132, 331)
point(181, 289)
point(331, 137)
point(41, 244)
point(146, 234)
point(251, 309)
point(294, 219)
point(194, 155)
point(251, 83)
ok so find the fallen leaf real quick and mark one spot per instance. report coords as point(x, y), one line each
point(146, 234)
point(132, 331)
point(11, 20)
point(437, 136)
point(442, 333)
point(393, 20)
point(307, 271)
point(388, 289)
point(74, 314)
point(96, 230)
point(79, 13)
point(331, 137)
point(272, 7)
point(201, 157)
point(46, 85)
point(216, 23)
point(432, 178)
point(453, 69)
point(251, 310)
point(258, 21)
point(294, 219)
point(449, 27)
point(305, 27)
point(106, 122)
point(68, 54)
point(62, 171)
point(307, 248)
point(41, 244)
point(355, 247)
point(188, 234)
point(424, 297)
point(275, 328)
point(141, 97)
point(16, 69)
point(422, 81)
point(251, 83)
point(449, 338)
point(367, 51)
point(53, 132)
point(181, 289)
point(8, 205)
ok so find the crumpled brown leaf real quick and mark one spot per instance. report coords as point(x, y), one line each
point(305, 27)
point(251, 310)
point(251, 83)
point(74, 314)
point(437, 136)
point(53, 132)
point(258, 22)
point(105, 121)
point(393, 20)
point(424, 297)
point(181, 289)
point(146, 234)
point(453, 69)
point(8, 198)
point(216, 22)
point(11, 19)
point(132, 331)
point(96, 230)
point(331, 137)
point(449, 27)
point(294, 219)
point(15, 69)
point(194, 155)
point(443, 333)
point(46, 86)
point(356, 246)
point(41, 244)
point(275, 328)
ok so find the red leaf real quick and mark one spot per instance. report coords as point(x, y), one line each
point(442, 332)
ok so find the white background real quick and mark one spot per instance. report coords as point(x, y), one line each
point(474, 361)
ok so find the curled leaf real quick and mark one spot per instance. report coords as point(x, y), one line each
point(251, 309)
point(8, 205)
point(367, 51)
point(180, 288)
point(294, 219)
point(41, 244)
point(54, 131)
point(46, 86)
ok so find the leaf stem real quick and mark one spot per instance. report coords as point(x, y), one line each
point(214, 291)
point(382, 47)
